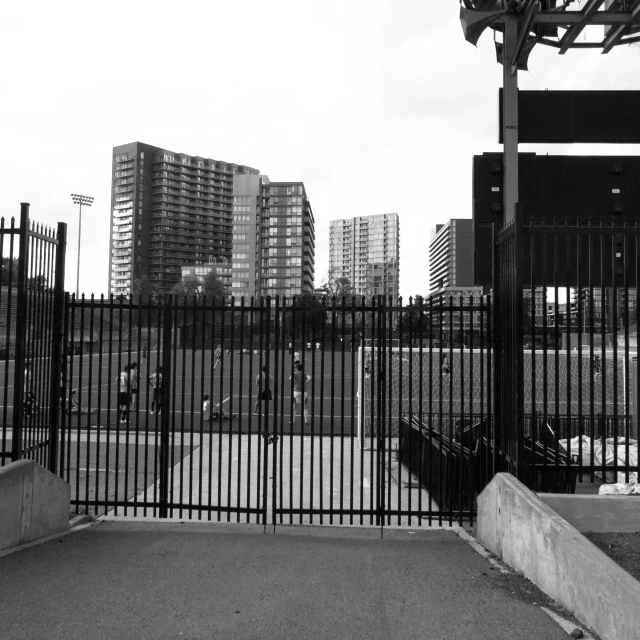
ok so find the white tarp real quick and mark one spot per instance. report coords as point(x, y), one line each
point(615, 448)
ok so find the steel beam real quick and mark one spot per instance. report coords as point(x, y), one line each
point(615, 35)
point(532, 8)
point(573, 32)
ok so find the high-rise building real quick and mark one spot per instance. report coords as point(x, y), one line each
point(168, 210)
point(366, 251)
point(273, 238)
point(451, 255)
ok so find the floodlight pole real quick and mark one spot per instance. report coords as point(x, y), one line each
point(510, 118)
point(79, 236)
point(80, 200)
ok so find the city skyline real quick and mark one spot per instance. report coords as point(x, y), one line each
point(387, 118)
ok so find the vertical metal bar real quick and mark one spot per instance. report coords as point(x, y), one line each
point(263, 427)
point(614, 350)
point(110, 397)
point(373, 378)
point(592, 414)
point(11, 299)
point(556, 350)
point(137, 314)
point(250, 438)
point(240, 413)
point(21, 334)
point(388, 380)
point(89, 392)
point(57, 348)
point(603, 329)
point(231, 408)
point(303, 407)
point(221, 398)
point(404, 447)
point(352, 409)
point(332, 404)
point(99, 405)
point(627, 359)
point(210, 387)
point(167, 326)
point(64, 390)
point(278, 345)
point(321, 457)
point(342, 390)
point(177, 311)
point(201, 448)
point(580, 328)
point(192, 425)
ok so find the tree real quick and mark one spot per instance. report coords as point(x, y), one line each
point(415, 318)
point(336, 285)
point(189, 286)
point(212, 285)
point(200, 288)
point(309, 315)
point(145, 288)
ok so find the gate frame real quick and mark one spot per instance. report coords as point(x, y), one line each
point(56, 332)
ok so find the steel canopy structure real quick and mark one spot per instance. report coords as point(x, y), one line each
point(526, 23)
point(543, 19)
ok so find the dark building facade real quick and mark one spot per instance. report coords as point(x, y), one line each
point(168, 210)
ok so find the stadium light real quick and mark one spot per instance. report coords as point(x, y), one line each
point(86, 201)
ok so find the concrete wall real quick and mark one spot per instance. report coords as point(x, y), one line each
point(516, 525)
point(33, 503)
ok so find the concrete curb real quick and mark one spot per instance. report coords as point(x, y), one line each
point(518, 527)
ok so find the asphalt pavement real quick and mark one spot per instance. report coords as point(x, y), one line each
point(123, 579)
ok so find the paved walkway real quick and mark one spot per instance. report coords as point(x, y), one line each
point(169, 580)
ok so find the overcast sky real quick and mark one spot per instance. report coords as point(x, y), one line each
point(376, 106)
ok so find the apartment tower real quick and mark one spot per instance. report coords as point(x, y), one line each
point(451, 255)
point(168, 210)
point(273, 238)
point(366, 251)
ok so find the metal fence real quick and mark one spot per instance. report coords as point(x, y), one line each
point(31, 304)
point(566, 344)
point(214, 439)
point(315, 410)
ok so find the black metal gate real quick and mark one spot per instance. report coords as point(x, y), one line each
point(32, 311)
point(286, 411)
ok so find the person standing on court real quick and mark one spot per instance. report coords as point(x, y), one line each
point(264, 382)
point(300, 382)
point(133, 385)
point(155, 379)
point(124, 394)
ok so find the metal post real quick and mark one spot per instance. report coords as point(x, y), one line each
point(510, 118)
point(57, 350)
point(165, 420)
point(79, 236)
point(21, 333)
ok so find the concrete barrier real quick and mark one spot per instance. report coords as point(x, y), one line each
point(516, 525)
point(34, 503)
